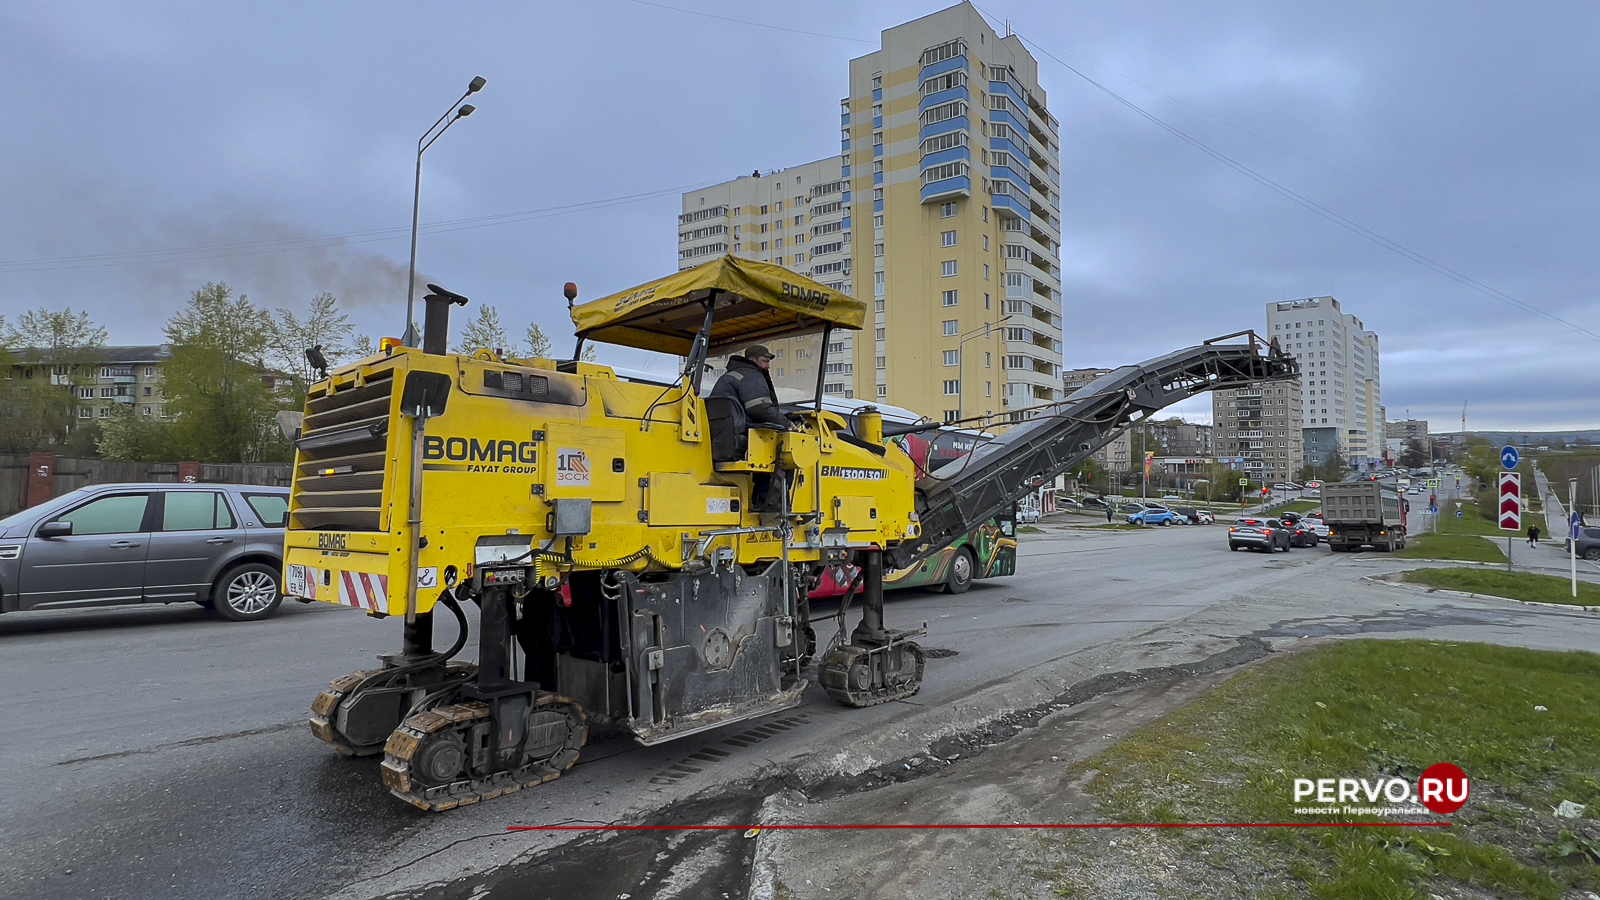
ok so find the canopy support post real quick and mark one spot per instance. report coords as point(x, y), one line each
point(694, 368)
point(822, 365)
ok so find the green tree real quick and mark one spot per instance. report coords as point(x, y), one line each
point(484, 332)
point(126, 436)
point(1413, 456)
point(538, 342)
point(50, 355)
point(215, 381)
point(1333, 465)
point(324, 326)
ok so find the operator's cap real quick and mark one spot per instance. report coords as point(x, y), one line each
point(757, 351)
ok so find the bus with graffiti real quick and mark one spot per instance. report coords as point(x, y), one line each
point(988, 551)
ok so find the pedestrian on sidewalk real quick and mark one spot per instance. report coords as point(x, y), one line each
point(1533, 535)
point(1108, 509)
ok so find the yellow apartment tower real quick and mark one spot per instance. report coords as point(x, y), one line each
point(943, 206)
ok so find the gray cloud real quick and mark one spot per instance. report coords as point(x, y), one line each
point(1463, 131)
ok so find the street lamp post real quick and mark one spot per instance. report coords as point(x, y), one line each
point(423, 143)
point(987, 330)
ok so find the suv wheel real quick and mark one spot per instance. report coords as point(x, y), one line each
point(1592, 553)
point(961, 572)
point(247, 592)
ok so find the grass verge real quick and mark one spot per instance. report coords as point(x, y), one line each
point(1029, 529)
point(1364, 709)
point(1299, 506)
point(1511, 585)
point(1451, 546)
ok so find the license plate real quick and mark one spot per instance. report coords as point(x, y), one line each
point(296, 578)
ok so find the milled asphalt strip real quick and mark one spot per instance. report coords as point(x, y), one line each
point(783, 807)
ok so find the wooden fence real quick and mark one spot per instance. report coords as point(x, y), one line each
point(29, 479)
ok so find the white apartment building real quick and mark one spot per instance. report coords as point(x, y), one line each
point(1339, 374)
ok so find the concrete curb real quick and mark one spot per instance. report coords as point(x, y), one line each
point(1390, 579)
point(777, 809)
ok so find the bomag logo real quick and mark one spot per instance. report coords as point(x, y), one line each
point(853, 473)
point(808, 296)
point(332, 541)
point(491, 455)
point(634, 299)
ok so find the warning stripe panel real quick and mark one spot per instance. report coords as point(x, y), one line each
point(363, 591)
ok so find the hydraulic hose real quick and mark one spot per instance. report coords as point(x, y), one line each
point(448, 598)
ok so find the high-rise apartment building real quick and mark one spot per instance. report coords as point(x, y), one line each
point(943, 207)
point(1259, 424)
point(1339, 374)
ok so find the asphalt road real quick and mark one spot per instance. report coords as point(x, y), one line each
point(164, 753)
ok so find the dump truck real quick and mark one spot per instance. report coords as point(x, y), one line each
point(1364, 513)
point(604, 527)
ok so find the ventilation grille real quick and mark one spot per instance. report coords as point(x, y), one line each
point(343, 454)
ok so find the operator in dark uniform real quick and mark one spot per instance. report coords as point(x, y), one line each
point(756, 403)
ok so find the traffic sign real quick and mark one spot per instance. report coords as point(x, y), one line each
point(1244, 481)
point(1510, 501)
point(1509, 457)
point(1434, 510)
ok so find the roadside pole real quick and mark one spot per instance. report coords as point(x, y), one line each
point(1572, 535)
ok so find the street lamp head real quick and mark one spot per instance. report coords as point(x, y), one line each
point(477, 84)
point(465, 110)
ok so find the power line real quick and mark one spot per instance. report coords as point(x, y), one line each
point(1330, 215)
point(1317, 162)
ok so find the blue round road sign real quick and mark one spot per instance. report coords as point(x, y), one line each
point(1509, 456)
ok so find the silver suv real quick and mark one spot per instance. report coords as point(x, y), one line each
point(218, 545)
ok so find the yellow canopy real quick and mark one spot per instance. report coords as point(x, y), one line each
point(754, 301)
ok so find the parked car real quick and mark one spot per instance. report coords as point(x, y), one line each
point(1313, 485)
point(1207, 517)
point(1153, 515)
point(1258, 534)
point(1588, 543)
point(1129, 508)
point(1318, 527)
point(1172, 497)
point(218, 545)
point(1285, 486)
point(1095, 502)
point(1187, 515)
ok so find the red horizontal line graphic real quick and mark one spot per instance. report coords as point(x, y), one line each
point(943, 827)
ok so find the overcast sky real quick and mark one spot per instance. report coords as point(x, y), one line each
point(151, 147)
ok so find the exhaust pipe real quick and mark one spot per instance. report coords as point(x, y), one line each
point(436, 319)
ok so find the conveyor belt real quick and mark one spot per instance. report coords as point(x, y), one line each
point(1054, 438)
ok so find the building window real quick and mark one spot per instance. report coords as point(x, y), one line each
point(877, 221)
point(883, 391)
point(948, 268)
point(985, 301)
point(85, 412)
point(883, 362)
point(947, 210)
point(105, 412)
point(988, 360)
point(800, 219)
point(879, 333)
point(952, 357)
point(985, 271)
point(951, 327)
point(149, 371)
point(986, 243)
point(949, 298)
point(947, 239)
point(952, 386)
point(952, 415)
point(877, 249)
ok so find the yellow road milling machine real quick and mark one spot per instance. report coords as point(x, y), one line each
point(606, 530)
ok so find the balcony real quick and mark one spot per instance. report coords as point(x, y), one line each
point(933, 191)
